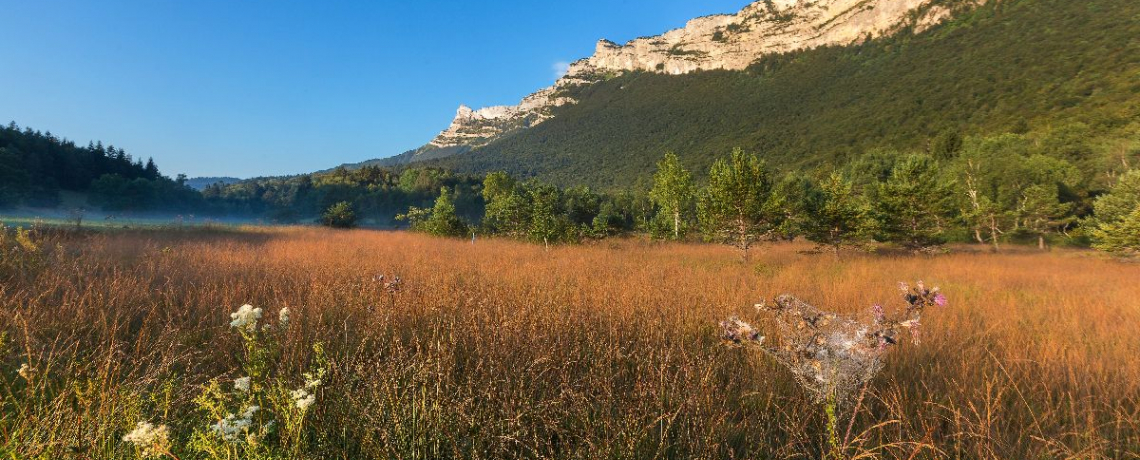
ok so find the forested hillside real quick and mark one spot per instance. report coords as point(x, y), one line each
point(1066, 74)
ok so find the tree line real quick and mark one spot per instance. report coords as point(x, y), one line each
point(990, 191)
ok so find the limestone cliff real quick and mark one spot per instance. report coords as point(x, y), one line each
point(730, 42)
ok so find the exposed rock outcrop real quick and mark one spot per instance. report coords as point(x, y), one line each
point(729, 42)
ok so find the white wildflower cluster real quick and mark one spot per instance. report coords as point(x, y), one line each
point(231, 427)
point(303, 398)
point(283, 317)
point(241, 385)
point(152, 441)
point(246, 317)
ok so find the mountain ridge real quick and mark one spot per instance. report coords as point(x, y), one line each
point(1063, 73)
point(712, 42)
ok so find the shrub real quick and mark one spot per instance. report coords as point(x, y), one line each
point(1117, 217)
point(340, 215)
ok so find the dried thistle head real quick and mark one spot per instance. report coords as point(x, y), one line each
point(831, 356)
point(740, 333)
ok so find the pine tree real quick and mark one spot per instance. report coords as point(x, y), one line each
point(913, 204)
point(672, 191)
point(339, 215)
point(739, 206)
point(151, 169)
point(444, 221)
point(834, 216)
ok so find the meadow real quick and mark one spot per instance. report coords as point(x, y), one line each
point(500, 349)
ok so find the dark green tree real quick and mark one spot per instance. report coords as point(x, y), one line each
point(913, 207)
point(946, 145)
point(834, 216)
point(14, 183)
point(339, 215)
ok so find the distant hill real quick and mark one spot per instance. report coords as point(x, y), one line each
point(36, 168)
point(200, 183)
point(1067, 73)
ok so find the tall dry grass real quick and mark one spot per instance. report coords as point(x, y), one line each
point(506, 350)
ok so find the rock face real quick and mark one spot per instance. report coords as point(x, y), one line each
point(729, 42)
point(476, 127)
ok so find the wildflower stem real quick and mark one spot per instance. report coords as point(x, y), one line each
point(854, 413)
point(835, 453)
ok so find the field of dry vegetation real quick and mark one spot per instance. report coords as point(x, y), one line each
point(501, 349)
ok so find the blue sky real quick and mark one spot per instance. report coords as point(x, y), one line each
point(267, 87)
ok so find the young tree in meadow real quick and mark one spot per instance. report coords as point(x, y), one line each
point(339, 215)
point(545, 218)
point(673, 191)
point(794, 190)
point(440, 220)
point(739, 206)
point(1042, 212)
point(834, 216)
point(913, 203)
point(1120, 201)
point(444, 220)
point(507, 209)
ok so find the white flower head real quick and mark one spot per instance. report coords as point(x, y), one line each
point(231, 427)
point(283, 317)
point(152, 441)
point(245, 317)
point(303, 399)
point(242, 384)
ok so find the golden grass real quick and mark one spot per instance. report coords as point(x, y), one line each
point(506, 350)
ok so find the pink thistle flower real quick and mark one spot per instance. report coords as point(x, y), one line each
point(940, 300)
